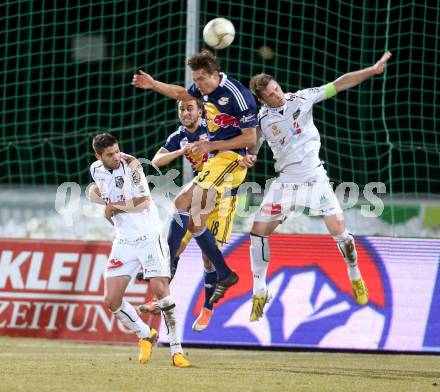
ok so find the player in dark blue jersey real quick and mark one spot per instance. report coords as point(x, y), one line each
point(179, 144)
point(231, 115)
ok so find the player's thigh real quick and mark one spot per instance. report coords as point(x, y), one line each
point(184, 197)
point(265, 228)
point(335, 223)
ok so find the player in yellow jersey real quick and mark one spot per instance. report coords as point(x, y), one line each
point(192, 129)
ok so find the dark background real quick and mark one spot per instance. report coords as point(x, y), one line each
point(52, 104)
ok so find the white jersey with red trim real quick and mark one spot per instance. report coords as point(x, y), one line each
point(125, 183)
point(290, 132)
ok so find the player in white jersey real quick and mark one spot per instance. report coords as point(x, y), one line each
point(286, 123)
point(138, 243)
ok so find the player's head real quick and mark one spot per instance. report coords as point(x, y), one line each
point(267, 90)
point(205, 69)
point(190, 113)
point(107, 150)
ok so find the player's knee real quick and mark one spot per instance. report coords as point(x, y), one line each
point(346, 245)
point(182, 201)
point(112, 303)
point(160, 287)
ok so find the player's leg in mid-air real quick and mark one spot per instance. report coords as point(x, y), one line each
point(198, 200)
point(270, 214)
point(260, 257)
point(219, 222)
point(336, 226)
point(322, 200)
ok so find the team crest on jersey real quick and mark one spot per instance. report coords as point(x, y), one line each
point(119, 181)
point(296, 114)
point(223, 101)
point(275, 130)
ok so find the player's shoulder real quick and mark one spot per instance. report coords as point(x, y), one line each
point(263, 112)
point(194, 91)
point(96, 166)
point(178, 133)
point(307, 93)
point(241, 94)
point(98, 171)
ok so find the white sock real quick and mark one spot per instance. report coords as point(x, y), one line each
point(347, 247)
point(260, 254)
point(127, 315)
point(168, 309)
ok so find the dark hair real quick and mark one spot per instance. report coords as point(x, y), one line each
point(204, 60)
point(259, 82)
point(102, 141)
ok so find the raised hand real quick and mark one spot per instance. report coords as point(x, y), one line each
point(379, 67)
point(142, 80)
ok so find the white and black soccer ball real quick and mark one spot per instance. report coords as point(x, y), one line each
point(219, 33)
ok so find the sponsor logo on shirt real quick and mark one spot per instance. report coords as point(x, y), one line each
point(224, 120)
point(223, 101)
point(247, 117)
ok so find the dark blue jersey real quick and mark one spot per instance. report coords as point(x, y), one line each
point(228, 109)
point(181, 137)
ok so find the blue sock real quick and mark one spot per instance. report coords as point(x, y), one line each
point(174, 267)
point(210, 281)
point(178, 228)
point(208, 245)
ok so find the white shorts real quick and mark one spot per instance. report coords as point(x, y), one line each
point(149, 253)
point(286, 198)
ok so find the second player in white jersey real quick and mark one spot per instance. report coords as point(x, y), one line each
point(125, 183)
point(290, 132)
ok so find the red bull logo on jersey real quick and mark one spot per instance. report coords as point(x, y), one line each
point(313, 304)
point(216, 119)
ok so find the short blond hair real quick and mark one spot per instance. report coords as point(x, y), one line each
point(259, 82)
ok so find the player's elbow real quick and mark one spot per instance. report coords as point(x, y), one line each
point(156, 162)
point(142, 202)
point(94, 195)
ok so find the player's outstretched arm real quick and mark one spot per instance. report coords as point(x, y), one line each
point(145, 81)
point(353, 79)
point(163, 157)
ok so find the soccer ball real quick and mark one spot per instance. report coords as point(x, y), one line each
point(219, 33)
